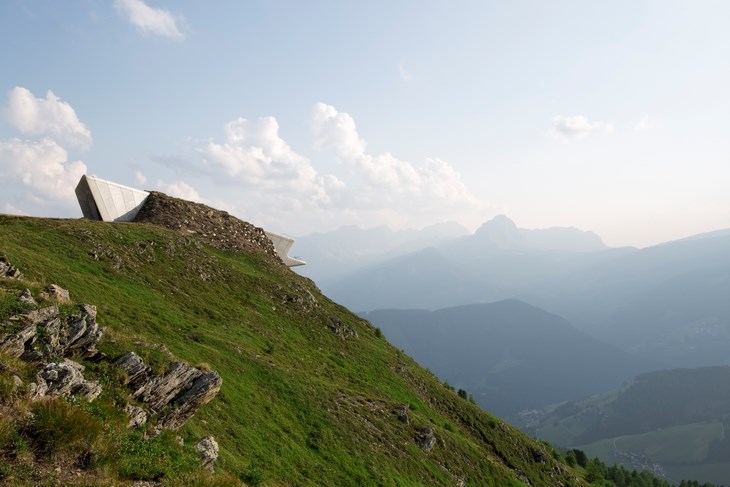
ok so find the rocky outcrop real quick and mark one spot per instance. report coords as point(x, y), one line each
point(208, 451)
point(56, 293)
point(172, 397)
point(425, 438)
point(8, 270)
point(45, 336)
point(401, 412)
point(342, 329)
point(64, 379)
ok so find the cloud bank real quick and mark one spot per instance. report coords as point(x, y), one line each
point(149, 20)
point(36, 116)
point(268, 182)
point(39, 168)
point(434, 181)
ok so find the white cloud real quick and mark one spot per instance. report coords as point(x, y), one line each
point(182, 190)
point(9, 209)
point(140, 178)
point(435, 181)
point(578, 126)
point(46, 116)
point(254, 155)
point(149, 20)
point(41, 167)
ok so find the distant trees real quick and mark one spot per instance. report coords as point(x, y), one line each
point(599, 474)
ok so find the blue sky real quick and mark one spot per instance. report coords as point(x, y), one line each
point(305, 116)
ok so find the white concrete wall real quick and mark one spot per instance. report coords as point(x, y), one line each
point(107, 201)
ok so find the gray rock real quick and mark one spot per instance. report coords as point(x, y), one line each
point(174, 396)
point(64, 379)
point(208, 451)
point(401, 413)
point(56, 293)
point(27, 297)
point(16, 344)
point(341, 329)
point(137, 416)
point(42, 315)
point(81, 333)
point(137, 371)
point(160, 391)
point(425, 438)
point(77, 335)
point(202, 390)
point(8, 270)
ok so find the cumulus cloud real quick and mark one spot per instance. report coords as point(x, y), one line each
point(578, 126)
point(140, 178)
point(435, 180)
point(182, 190)
point(149, 20)
point(254, 155)
point(42, 167)
point(46, 116)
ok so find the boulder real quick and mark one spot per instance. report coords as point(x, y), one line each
point(137, 416)
point(8, 270)
point(64, 379)
point(16, 344)
point(55, 292)
point(208, 451)
point(425, 438)
point(174, 396)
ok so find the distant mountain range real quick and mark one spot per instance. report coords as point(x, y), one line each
point(510, 355)
point(667, 303)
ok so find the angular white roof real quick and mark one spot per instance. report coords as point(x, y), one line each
point(107, 201)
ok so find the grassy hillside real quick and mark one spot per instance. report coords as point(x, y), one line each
point(673, 418)
point(310, 391)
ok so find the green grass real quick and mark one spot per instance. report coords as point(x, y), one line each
point(685, 444)
point(299, 405)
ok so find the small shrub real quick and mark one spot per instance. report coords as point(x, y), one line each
point(378, 333)
point(57, 427)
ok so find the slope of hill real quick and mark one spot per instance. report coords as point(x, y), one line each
point(311, 394)
point(673, 418)
point(511, 356)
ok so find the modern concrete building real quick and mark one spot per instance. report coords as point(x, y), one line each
point(111, 202)
point(107, 201)
point(282, 245)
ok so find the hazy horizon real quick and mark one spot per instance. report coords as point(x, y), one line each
point(301, 118)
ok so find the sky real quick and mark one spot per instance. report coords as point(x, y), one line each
point(302, 117)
